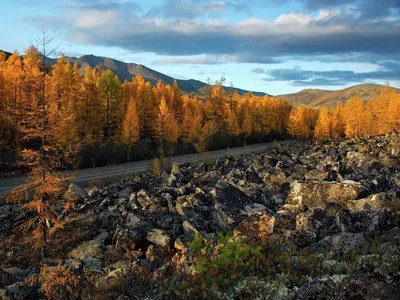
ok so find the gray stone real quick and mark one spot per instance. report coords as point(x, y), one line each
point(93, 192)
point(229, 205)
point(376, 201)
point(159, 237)
point(257, 226)
point(75, 192)
point(132, 220)
point(345, 242)
point(316, 194)
point(143, 199)
point(315, 220)
point(90, 252)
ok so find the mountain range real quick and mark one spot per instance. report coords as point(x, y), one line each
point(128, 70)
point(307, 97)
point(325, 98)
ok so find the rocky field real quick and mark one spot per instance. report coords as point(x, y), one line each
point(305, 221)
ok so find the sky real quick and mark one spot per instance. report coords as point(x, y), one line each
point(271, 46)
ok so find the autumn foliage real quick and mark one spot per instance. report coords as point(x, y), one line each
point(109, 121)
point(60, 282)
point(359, 119)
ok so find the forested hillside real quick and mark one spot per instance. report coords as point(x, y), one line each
point(96, 119)
point(323, 98)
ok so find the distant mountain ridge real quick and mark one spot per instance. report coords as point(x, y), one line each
point(325, 98)
point(128, 70)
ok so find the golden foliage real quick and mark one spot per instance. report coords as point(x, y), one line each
point(62, 283)
point(131, 126)
point(156, 170)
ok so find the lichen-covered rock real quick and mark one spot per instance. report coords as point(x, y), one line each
point(229, 205)
point(376, 201)
point(91, 252)
point(257, 226)
point(317, 289)
point(159, 237)
point(143, 198)
point(315, 194)
point(345, 242)
point(315, 220)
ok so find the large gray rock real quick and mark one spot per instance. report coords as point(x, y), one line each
point(316, 194)
point(257, 226)
point(315, 220)
point(143, 198)
point(75, 192)
point(229, 205)
point(133, 220)
point(345, 242)
point(90, 252)
point(21, 292)
point(159, 237)
point(252, 176)
point(377, 201)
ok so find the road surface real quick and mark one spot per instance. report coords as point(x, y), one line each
point(107, 174)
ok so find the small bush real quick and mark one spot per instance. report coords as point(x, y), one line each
point(61, 282)
point(156, 167)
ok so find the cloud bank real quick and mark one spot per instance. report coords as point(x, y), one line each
point(193, 32)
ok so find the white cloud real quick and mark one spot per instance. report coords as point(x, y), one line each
point(92, 19)
point(293, 20)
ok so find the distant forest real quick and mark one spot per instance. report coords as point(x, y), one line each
point(94, 119)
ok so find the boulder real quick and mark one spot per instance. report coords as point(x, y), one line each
point(159, 237)
point(93, 192)
point(91, 252)
point(315, 194)
point(252, 176)
point(315, 220)
point(143, 199)
point(125, 193)
point(345, 242)
point(133, 220)
point(190, 230)
point(75, 192)
point(184, 205)
point(229, 205)
point(21, 291)
point(278, 177)
point(377, 201)
point(137, 236)
point(206, 179)
point(257, 226)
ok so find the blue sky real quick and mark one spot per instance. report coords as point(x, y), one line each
point(272, 46)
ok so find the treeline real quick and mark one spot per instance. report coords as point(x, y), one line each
point(352, 119)
point(107, 121)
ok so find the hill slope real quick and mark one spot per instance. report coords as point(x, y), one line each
point(320, 98)
point(128, 70)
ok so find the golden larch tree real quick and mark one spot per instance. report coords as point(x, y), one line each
point(354, 112)
point(323, 128)
point(165, 129)
point(338, 121)
point(131, 125)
